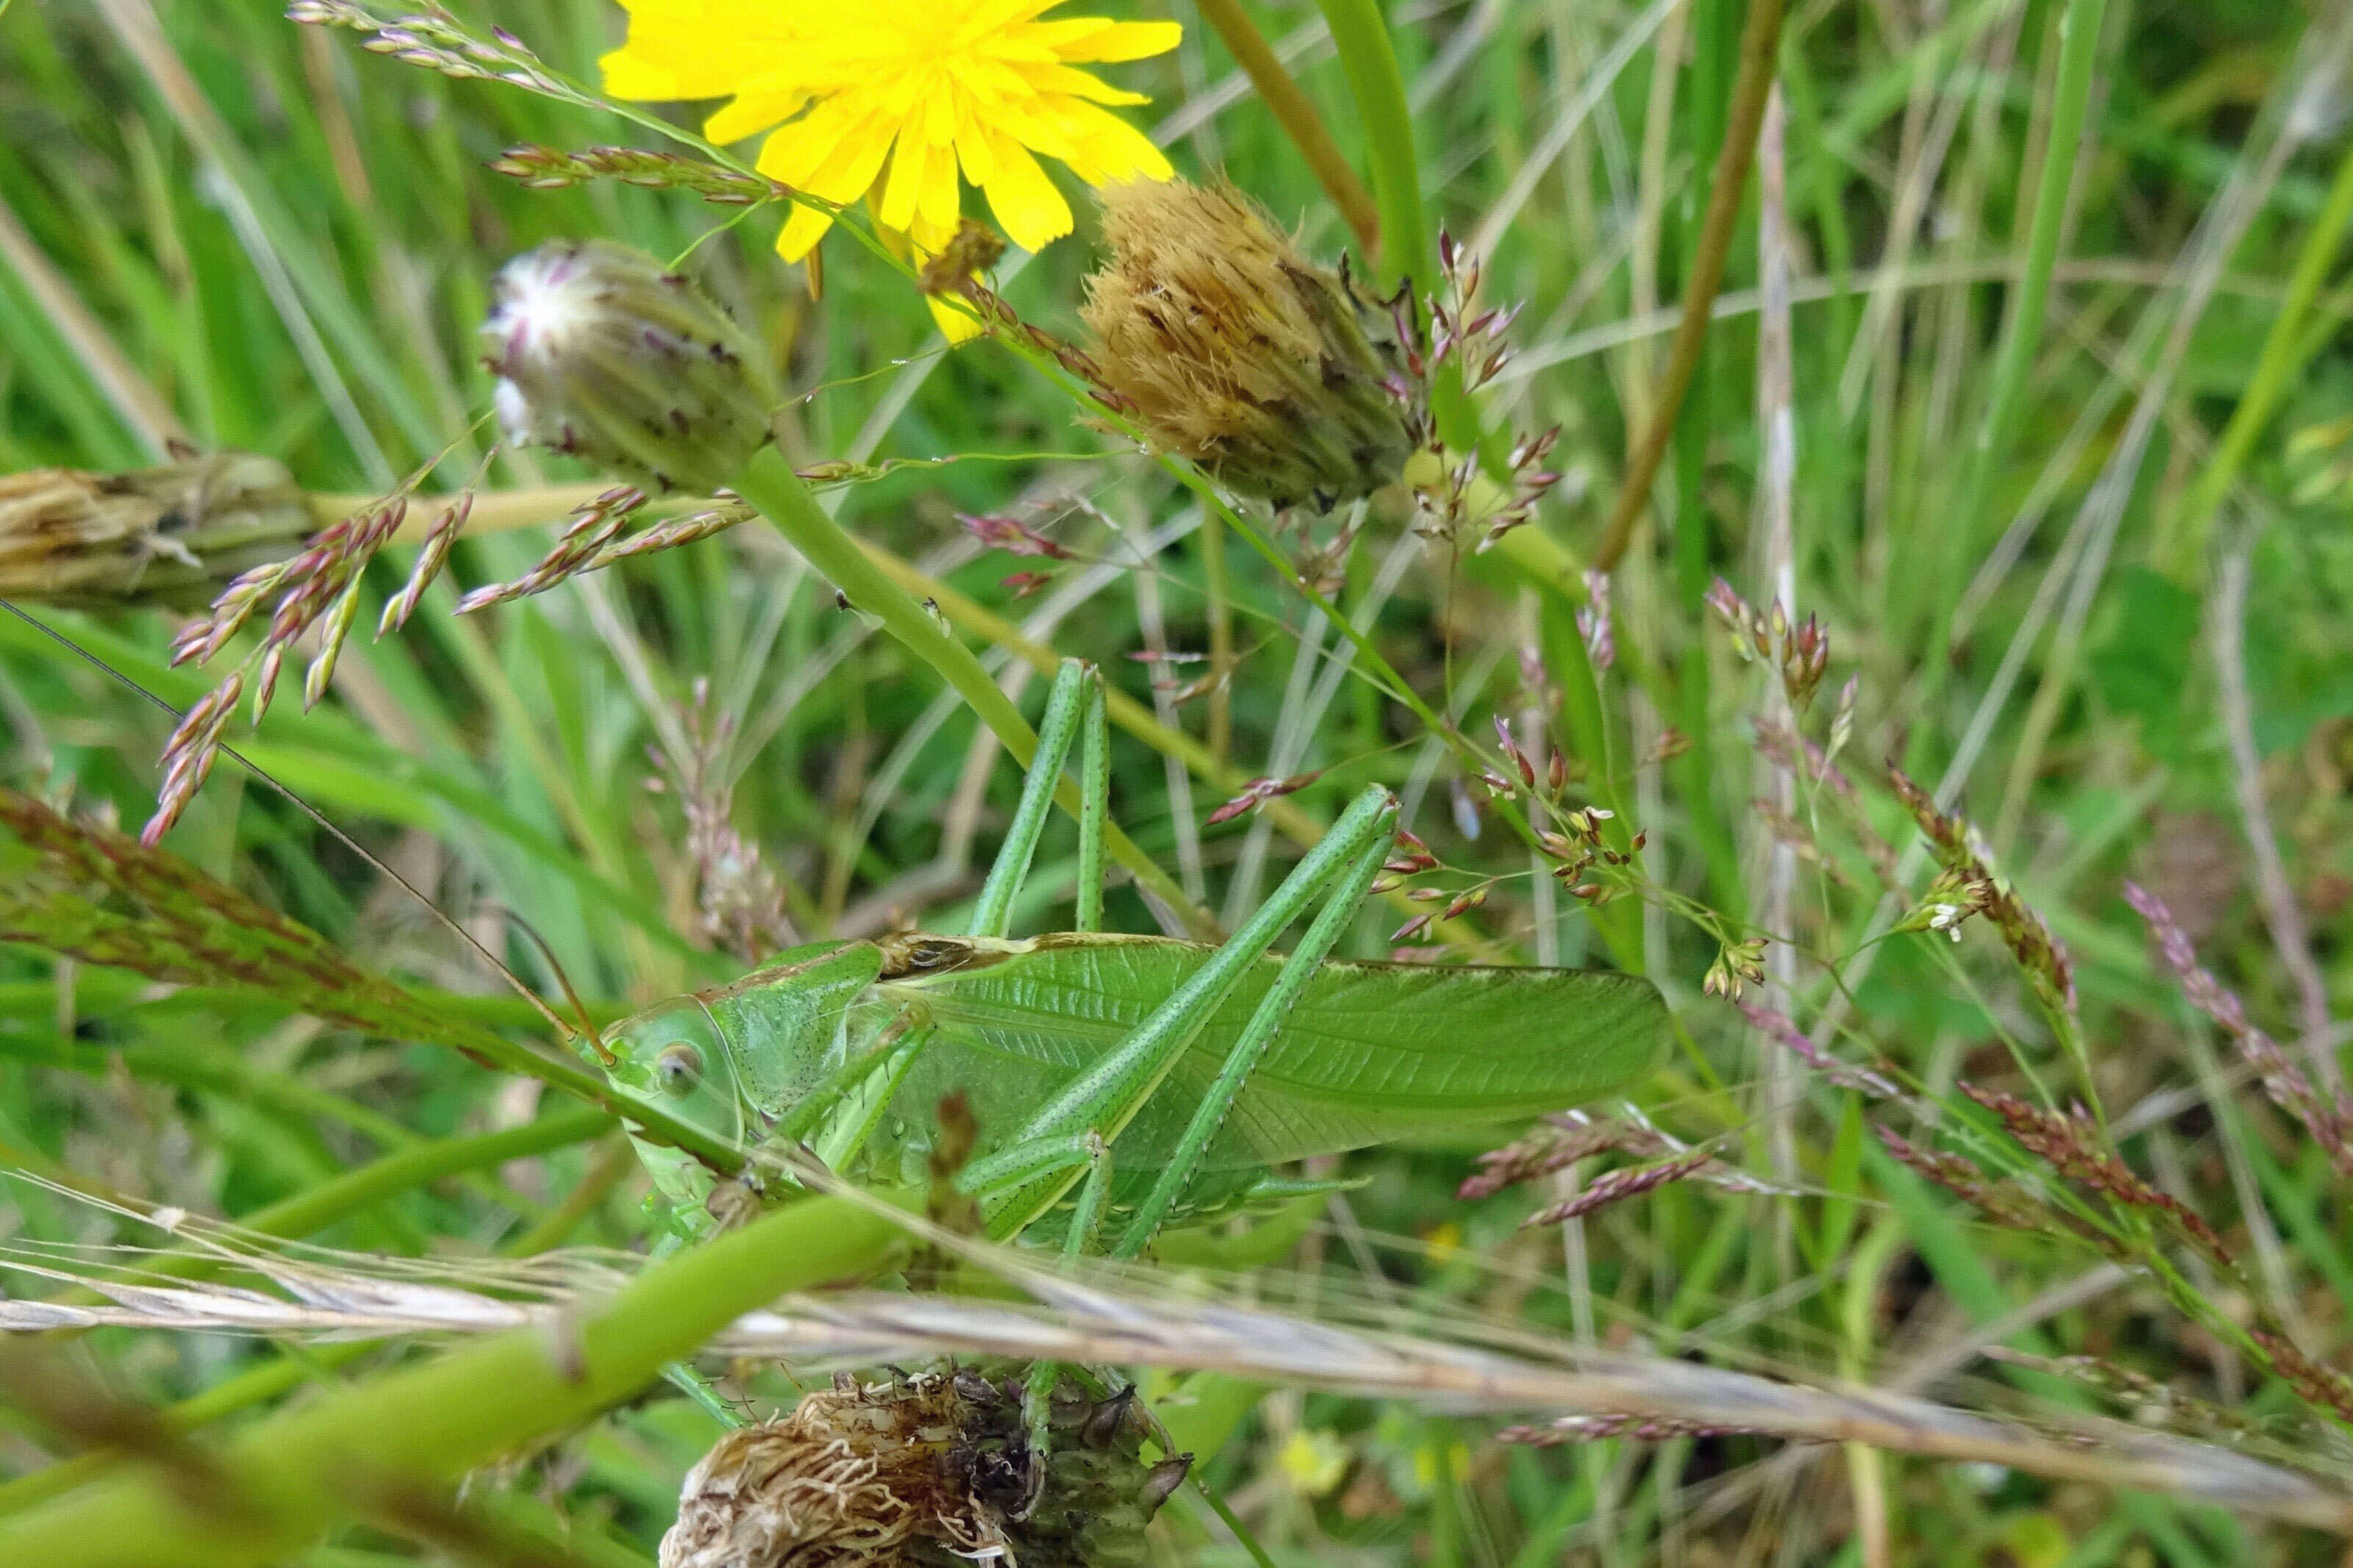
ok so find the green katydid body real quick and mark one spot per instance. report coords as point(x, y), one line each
point(1166, 1076)
point(1370, 1052)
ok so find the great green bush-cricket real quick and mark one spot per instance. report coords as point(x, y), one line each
point(1162, 1079)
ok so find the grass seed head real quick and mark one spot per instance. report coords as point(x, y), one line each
point(1280, 378)
point(171, 535)
point(603, 354)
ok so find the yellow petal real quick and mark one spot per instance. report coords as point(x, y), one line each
point(958, 324)
point(973, 152)
point(801, 154)
point(698, 49)
point(1028, 208)
point(1104, 148)
point(802, 231)
point(1099, 38)
point(909, 159)
point(1056, 81)
point(757, 106)
point(939, 201)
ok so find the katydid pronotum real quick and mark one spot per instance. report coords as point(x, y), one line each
point(1163, 1079)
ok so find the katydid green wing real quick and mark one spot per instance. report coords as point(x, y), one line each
point(1372, 1053)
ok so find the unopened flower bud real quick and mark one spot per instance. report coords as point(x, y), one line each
point(1281, 379)
point(603, 354)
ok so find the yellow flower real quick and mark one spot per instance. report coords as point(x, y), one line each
point(889, 99)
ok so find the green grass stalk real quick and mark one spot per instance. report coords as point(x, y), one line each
point(1362, 37)
point(1295, 112)
point(2287, 348)
point(2079, 38)
point(782, 497)
point(281, 1481)
point(266, 1380)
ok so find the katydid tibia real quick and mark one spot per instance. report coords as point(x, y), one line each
point(1162, 1079)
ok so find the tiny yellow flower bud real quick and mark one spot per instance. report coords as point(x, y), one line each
point(603, 354)
point(1280, 378)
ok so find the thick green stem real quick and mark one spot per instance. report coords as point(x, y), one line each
point(1362, 38)
point(782, 497)
point(1759, 46)
point(1296, 114)
point(284, 1479)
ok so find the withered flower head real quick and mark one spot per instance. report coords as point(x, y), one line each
point(603, 354)
point(1280, 378)
point(166, 535)
point(933, 1469)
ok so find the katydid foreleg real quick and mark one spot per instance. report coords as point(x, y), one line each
point(1105, 1098)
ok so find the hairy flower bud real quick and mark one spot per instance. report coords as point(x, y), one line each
point(166, 535)
point(603, 354)
point(1282, 379)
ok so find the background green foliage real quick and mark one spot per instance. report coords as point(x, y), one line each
point(220, 227)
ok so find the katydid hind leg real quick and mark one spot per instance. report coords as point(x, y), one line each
point(1107, 1096)
point(1331, 923)
point(1095, 806)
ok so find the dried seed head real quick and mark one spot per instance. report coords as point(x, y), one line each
point(603, 354)
point(1280, 378)
point(171, 535)
point(931, 1470)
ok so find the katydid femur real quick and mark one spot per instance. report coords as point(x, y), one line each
point(1162, 1079)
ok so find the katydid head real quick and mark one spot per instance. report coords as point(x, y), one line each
point(674, 1055)
point(735, 1059)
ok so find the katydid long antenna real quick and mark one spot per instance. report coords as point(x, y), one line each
point(538, 1003)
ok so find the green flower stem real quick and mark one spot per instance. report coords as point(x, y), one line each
point(1296, 114)
point(283, 1479)
point(1362, 37)
point(1760, 41)
point(782, 497)
point(2287, 348)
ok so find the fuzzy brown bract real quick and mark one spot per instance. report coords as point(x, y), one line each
point(931, 1470)
point(1282, 379)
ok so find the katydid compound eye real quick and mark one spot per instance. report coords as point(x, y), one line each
point(680, 1066)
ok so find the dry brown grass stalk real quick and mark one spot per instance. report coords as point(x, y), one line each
point(1088, 1323)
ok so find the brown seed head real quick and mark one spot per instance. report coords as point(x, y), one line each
point(926, 1471)
point(1280, 378)
point(170, 535)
